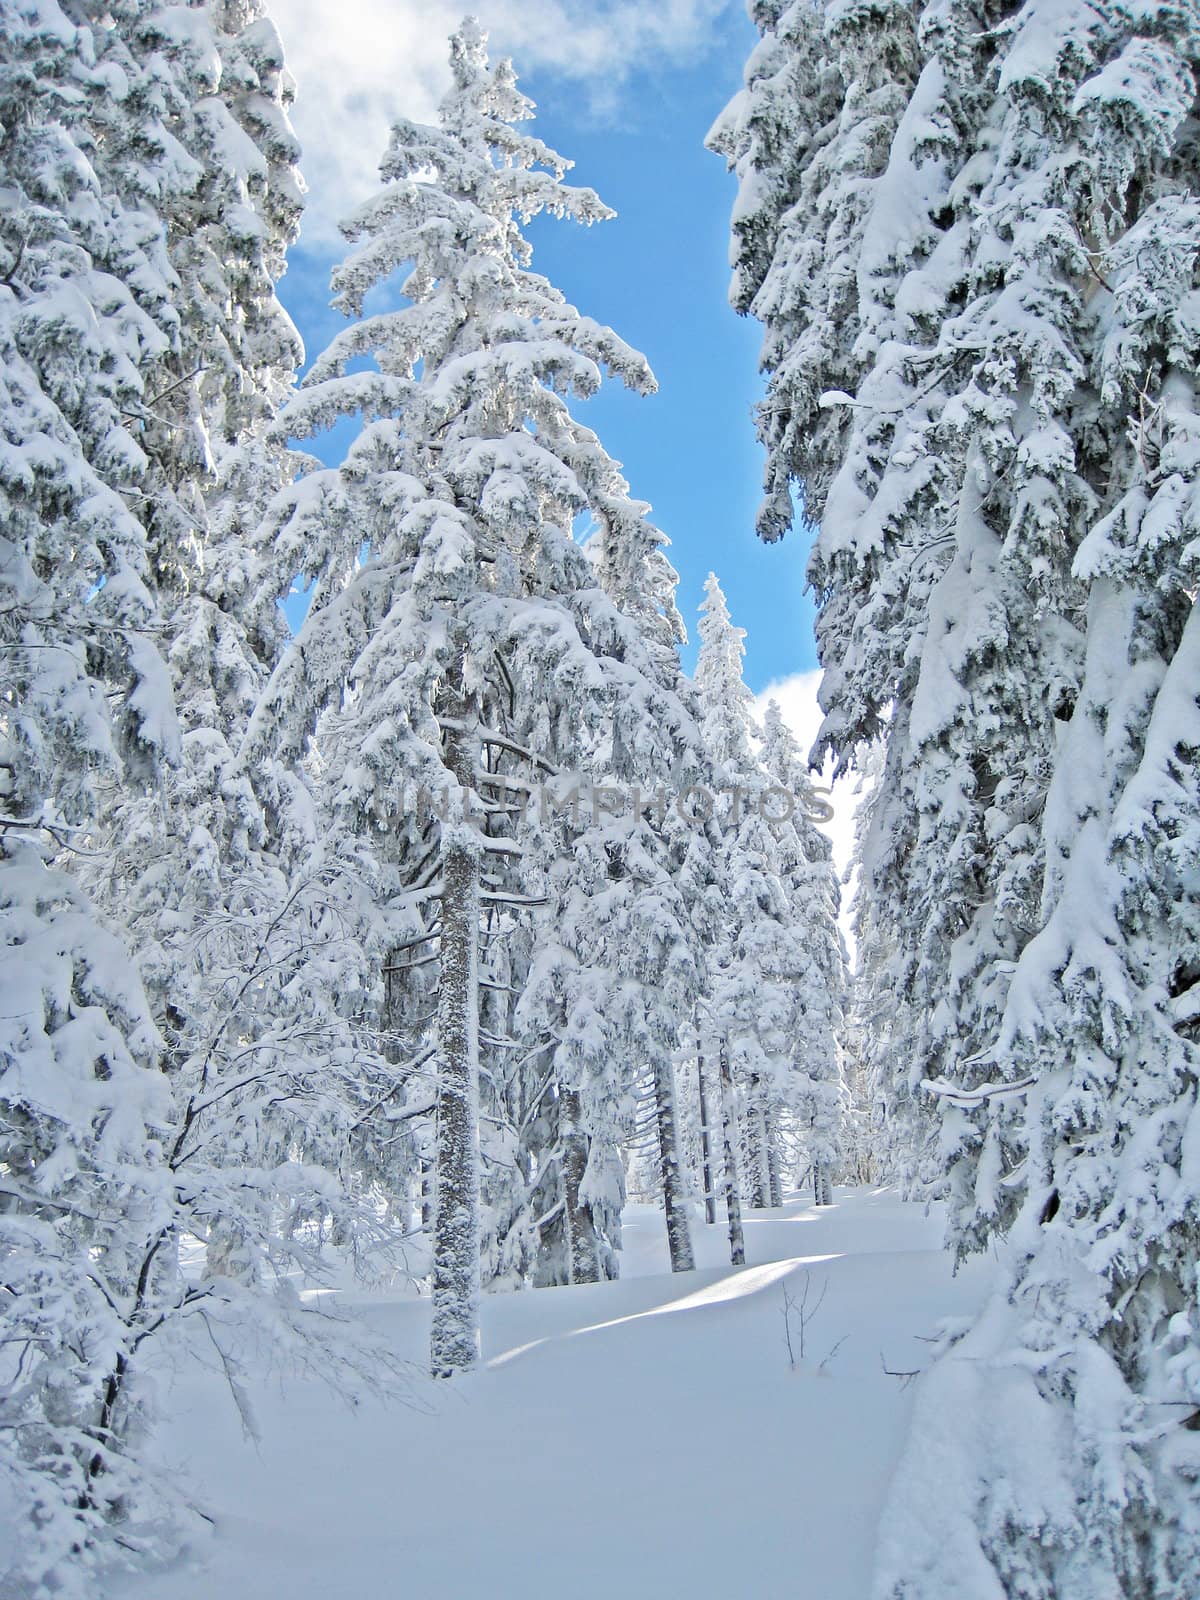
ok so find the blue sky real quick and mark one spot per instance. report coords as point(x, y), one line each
point(633, 119)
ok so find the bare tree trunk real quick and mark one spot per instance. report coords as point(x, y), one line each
point(583, 1259)
point(774, 1181)
point(679, 1233)
point(454, 1344)
point(822, 1189)
point(756, 1147)
point(158, 1267)
point(427, 1180)
point(710, 1199)
point(733, 1199)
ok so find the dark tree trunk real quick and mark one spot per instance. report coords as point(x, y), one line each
point(679, 1233)
point(756, 1147)
point(583, 1256)
point(454, 1344)
point(710, 1199)
point(774, 1181)
point(733, 1199)
point(427, 1180)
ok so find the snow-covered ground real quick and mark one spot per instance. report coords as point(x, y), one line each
point(641, 1438)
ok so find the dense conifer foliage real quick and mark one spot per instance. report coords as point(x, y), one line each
point(970, 236)
point(374, 947)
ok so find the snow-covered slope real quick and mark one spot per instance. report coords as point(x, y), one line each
point(640, 1438)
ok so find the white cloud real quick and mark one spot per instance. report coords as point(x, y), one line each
point(797, 699)
point(361, 63)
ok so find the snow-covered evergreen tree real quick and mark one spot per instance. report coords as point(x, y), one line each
point(813, 1093)
point(460, 651)
point(777, 967)
point(84, 317)
point(216, 868)
point(751, 1012)
point(809, 137)
point(168, 968)
point(949, 617)
point(997, 446)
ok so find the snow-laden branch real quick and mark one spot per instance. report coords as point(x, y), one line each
point(985, 1091)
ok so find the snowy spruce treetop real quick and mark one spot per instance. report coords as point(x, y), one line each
point(726, 704)
point(443, 546)
point(478, 465)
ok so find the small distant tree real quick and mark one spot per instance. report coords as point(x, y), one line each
point(777, 965)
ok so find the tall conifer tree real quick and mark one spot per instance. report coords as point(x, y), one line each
point(463, 650)
point(994, 449)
